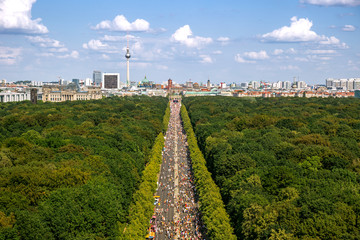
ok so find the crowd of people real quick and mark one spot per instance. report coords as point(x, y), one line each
point(176, 209)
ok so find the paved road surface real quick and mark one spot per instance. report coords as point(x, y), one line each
point(177, 215)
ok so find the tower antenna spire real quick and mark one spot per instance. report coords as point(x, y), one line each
point(127, 39)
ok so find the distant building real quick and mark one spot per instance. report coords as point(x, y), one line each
point(97, 78)
point(343, 83)
point(145, 83)
point(255, 84)
point(76, 82)
point(189, 84)
point(14, 96)
point(329, 82)
point(336, 84)
point(170, 84)
point(223, 85)
point(244, 85)
point(88, 82)
point(286, 85)
point(357, 83)
point(350, 84)
point(36, 84)
point(110, 81)
point(70, 92)
point(301, 84)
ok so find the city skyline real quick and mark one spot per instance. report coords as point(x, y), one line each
point(227, 41)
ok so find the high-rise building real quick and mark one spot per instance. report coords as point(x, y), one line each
point(255, 84)
point(329, 82)
point(286, 85)
point(208, 85)
point(301, 84)
point(97, 78)
point(350, 84)
point(343, 83)
point(336, 83)
point(357, 84)
point(170, 85)
point(110, 81)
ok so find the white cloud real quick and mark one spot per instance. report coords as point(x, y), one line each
point(184, 36)
point(73, 54)
point(206, 59)
point(60, 50)
point(256, 55)
point(120, 23)
point(223, 40)
point(45, 42)
point(301, 59)
point(332, 2)
point(278, 51)
point(45, 54)
point(105, 56)
point(240, 59)
point(348, 28)
point(316, 58)
point(289, 67)
point(291, 51)
point(96, 45)
point(134, 47)
point(157, 31)
point(111, 38)
point(332, 41)
point(353, 66)
point(249, 57)
point(15, 17)
point(217, 52)
point(300, 31)
point(9, 56)
point(321, 51)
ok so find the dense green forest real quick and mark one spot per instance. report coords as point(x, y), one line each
point(287, 168)
point(214, 215)
point(69, 170)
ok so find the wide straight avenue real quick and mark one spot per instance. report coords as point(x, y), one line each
point(176, 210)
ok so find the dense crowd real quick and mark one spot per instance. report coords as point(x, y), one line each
point(176, 208)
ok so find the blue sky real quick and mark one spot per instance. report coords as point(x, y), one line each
point(225, 41)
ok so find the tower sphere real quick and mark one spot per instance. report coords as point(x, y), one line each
point(127, 55)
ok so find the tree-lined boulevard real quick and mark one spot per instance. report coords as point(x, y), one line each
point(176, 208)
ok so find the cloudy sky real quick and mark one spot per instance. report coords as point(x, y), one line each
point(226, 41)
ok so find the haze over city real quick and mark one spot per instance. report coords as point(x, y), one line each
point(230, 41)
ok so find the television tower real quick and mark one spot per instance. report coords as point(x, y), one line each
point(127, 55)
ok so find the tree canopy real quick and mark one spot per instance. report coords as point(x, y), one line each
point(287, 168)
point(69, 170)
